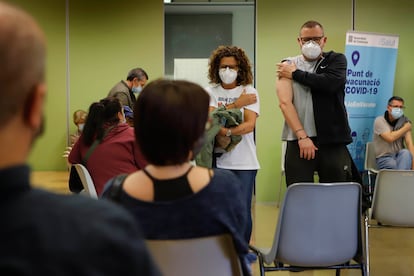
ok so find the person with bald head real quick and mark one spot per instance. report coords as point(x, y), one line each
point(43, 233)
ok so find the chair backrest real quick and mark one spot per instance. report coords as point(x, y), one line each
point(205, 256)
point(393, 198)
point(86, 179)
point(319, 225)
point(370, 163)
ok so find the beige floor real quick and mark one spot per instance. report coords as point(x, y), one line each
point(391, 249)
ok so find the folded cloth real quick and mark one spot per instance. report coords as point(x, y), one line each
point(219, 117)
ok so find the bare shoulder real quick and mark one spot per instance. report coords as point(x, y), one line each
point(199, 177)
point(139, 186)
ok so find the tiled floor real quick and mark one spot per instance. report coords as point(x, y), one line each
point(391, 249)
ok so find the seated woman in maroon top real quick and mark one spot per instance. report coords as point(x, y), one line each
point(116, 153)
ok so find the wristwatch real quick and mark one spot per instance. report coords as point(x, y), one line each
point(228, 133)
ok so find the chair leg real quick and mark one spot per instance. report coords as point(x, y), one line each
point(369, 185)
point(369, 182)
point(261, 264)
point(280, 190)
point(365, 271)
point(338, 272)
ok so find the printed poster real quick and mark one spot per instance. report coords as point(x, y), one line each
point(370, 75)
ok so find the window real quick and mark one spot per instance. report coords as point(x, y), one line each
point(194, 30)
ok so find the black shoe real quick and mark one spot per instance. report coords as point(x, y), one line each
point(296, 269)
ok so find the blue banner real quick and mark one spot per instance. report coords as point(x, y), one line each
point(370, 74)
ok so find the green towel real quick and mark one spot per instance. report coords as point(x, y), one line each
point(219, 117)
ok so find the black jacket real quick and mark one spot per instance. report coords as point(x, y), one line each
point(44, 233)
point(328, 94)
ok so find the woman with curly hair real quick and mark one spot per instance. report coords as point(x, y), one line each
point(231, 77)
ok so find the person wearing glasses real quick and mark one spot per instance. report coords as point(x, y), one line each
point(310, 89)
point(393, 141)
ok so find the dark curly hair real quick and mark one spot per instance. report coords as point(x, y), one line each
point(244, 75)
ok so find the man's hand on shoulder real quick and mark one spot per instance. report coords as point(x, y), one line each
point(285, 69)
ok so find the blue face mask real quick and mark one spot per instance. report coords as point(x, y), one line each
point(396, 112)
point(137, 89)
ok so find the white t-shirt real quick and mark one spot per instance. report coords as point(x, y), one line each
point(243, 156)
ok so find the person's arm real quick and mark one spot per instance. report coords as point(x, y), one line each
point(75, 153)
point(408, 139)
point(285, 95)
point(248, 125)
point(123, 244)
point(242, 101)
point(391, 136)
point(331, 80)
point(74, 138)
point(123, 98)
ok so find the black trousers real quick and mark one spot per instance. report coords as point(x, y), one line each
point(333, 163)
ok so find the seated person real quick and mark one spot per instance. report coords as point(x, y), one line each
point(44, 233)
point(107, 145)
point(127, 91)
point(79, 118)
point(170, 197)
point(393, 141)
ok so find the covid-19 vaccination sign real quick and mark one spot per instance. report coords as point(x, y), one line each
point(370, 75)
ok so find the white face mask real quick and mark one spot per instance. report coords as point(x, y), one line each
point(227, 75)
point(80, 127)
point(311, 50)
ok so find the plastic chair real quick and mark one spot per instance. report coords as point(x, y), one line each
point(393, 198)
point(370, 166)
point(86, 179)
point(392, 202)
point(319, 227)
point(207, 256)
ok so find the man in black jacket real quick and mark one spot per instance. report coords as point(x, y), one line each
point(311, 95)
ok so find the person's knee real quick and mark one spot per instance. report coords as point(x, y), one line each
point(405, 153)
point(387, 162)
point(405, 159)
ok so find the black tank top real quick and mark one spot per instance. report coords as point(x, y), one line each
point(171, 189)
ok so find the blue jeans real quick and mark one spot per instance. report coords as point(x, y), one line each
point(401, 160)
point(248, 179)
